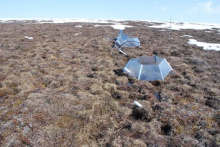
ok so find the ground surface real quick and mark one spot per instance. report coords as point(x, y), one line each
point(65, 88)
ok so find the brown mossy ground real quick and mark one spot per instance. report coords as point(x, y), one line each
point(62, 89)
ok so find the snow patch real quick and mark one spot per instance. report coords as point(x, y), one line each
point(116, 22)
point(97, 25)
point(120, 26)
point(115, 26)
point(56, 20)
point(206, 46)
point(78, 26)
point(179, 26)
point(28, 37)
point(186, 36)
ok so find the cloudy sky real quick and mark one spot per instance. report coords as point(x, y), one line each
point(206, 11)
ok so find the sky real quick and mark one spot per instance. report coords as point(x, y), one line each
point(205, 11)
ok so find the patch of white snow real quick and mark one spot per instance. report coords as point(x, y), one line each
point(185, 25)
point(97, 25)
point(116, 26)
point(55, 20)
point(78, 26)
point(186, 36)
point(120, 26)
point(28, 37)
point(206, 46)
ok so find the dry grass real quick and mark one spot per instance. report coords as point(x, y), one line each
point(64, 90)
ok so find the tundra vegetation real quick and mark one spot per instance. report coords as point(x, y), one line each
point(62, 89)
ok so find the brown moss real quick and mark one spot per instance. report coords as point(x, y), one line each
point(40, 118)
point(17, 103)
point(95, 89)
point(65, 121)
point(144, 113)
point(3, 92)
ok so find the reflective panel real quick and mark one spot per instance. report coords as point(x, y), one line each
point(148, 68)
point(132, 68)
point(150, 73)
point(125, 40)
point(147, 60)
point(165, 67)
point(158, 59)
point(130, 42)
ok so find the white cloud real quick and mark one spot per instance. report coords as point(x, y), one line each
point(206, 7)
point(163, 8)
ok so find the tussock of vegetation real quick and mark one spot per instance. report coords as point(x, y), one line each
point(64, 90)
